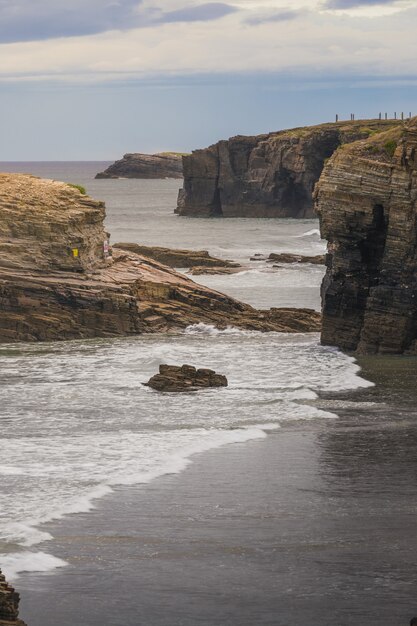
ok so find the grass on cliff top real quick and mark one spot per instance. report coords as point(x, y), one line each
point(80, 188)
point(366, 127)
point(379, 146)
point(173, 153)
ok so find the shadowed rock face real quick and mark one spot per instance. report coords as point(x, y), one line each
point(136, 165)
point(9, 604)
point(266, 175)
point(367, 204)
point(47, 292)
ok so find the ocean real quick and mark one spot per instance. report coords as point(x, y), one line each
point(80, 431)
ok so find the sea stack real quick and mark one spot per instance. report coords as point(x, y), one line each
point(266, 175)
point(367, 203)
point(136, 165)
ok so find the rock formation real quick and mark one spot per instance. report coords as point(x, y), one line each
point(9, 604)
point(185, 378)
point(286, 257)
point(136, 165)
point(58, 279)
point(266, 175)
point(177, 258)
point(367, 204)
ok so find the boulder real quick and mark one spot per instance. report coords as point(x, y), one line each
point(173, 378)
point(286, 257)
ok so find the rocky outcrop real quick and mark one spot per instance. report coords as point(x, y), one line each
point(136, 165)
point(9, 604)
point(59, 279)
point(177, 258)
point(286, 257)
point(266, 175)
point(367, 204)
point(172, 378)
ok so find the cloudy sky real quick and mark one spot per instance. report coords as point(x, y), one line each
point(92, 79)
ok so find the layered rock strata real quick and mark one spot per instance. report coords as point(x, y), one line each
point(172, 378)
point(266, 175)
point(367, 204)
point(175, 257)
point(58, 280)
point(136, 165)
point(9, 604)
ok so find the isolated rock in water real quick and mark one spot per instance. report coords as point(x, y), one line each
point(367, 204)
point(176, 258)
point(211, 271)
point(9, 604)
point(286, 257)
point(185, 378)
point(136, 165)
point(266, 175)
point(59, 279)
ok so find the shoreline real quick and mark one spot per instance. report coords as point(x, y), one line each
point(250, 535)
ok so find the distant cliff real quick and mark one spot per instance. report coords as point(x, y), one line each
point(367, 204)
point(136, 165)
point(267, 175)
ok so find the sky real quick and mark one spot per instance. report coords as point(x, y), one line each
point(94, 79)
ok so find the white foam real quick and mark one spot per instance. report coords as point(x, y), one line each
point(14, 564)
point(310, 233)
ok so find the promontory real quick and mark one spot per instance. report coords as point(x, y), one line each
point(136, 165)
point(266, 175)
point(60, 279)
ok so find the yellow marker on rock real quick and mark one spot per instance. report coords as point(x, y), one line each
point(75, 252)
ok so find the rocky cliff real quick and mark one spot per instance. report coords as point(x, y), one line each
point(59, 279)
point(266, 175)
point(136, 165)
point(9, 604)
point(367, 203)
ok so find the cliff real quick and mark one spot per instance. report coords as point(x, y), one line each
point(59, 279)
point(136, 165)
point(266, 175)
point(366, 200)
point(9, 604)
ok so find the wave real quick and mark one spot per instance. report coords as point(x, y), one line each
point(310, 233)
point(208, 329)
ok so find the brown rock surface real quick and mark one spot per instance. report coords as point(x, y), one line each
point(48, 294)
point(286, 257)
point(176, 258)
point(367, 204)
point(136, 165)
point(211, 271)
point(185, 378)
point(266, 175)
point(9, 604)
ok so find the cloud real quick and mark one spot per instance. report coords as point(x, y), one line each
point(199, 13)
point(37, 20)
point(353, 4)
point(276, 16)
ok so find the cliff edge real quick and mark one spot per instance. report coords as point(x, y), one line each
point(266, 175)
point(59, 278)
point(9, 604)
point(136, 165)
point(367, 204)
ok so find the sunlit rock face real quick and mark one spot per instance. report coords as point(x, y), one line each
point(366, 200)
point(266, 175)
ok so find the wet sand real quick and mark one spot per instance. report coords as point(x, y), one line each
point(315, 524)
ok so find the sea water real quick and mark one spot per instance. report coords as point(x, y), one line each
point(76, 420)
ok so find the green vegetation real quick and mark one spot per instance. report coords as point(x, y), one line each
point(390, 147)
point(174, 153)
point(80, 188)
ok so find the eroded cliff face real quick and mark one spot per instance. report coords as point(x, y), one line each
point(58, 282)
point(9, 604)
point(136, 165)
point(366, 200)
point(266, 175)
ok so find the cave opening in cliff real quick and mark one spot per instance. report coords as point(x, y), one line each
point(216, 207)
point(373, 246)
